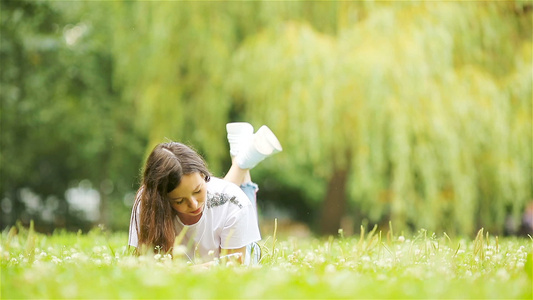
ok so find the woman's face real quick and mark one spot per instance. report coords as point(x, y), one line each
point(188, 198)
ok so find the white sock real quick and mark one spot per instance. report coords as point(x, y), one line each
point(239, 135)
point(263, 144)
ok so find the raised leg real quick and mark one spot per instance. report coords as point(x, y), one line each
point(238, 175)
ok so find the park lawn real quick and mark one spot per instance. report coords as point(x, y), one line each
point(372, 265)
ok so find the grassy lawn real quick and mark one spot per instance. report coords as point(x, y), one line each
point(370, 265)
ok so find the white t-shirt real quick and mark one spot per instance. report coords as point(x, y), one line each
point(228, 221)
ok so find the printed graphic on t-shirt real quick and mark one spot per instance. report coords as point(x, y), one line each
point(217, 199)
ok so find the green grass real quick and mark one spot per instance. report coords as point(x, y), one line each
point(372, 265)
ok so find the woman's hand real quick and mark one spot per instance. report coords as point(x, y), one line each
point(233, 254)
point(227, 255)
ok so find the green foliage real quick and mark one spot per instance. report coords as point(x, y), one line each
point(427, 105)
point(374, 265)
point(62, 121)
point(416, 99)
point(174, 77)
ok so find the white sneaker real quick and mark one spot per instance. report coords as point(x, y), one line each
point(239, 135)
point(263, 144)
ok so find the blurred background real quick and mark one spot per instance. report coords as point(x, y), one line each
point(417, 113)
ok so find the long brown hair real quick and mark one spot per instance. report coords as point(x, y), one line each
point(164, 168)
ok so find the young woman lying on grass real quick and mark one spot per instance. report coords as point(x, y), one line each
point(214, 216)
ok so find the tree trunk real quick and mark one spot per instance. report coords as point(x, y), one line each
point(335, 203)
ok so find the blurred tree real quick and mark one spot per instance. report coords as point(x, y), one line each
point(174, 76)
point(403, 109)
point(177, 78)
point(61, 118)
